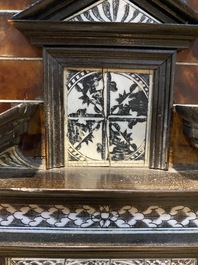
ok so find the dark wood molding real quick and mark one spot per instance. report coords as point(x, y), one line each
point(161, 113)
point(170, 11)
point(54, 114)
point(103, 182)
point(2, 261)
point(97, 245)
point(99, 252)
point(44, 33)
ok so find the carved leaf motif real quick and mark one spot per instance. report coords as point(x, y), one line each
point(87, 15)
point(85, 99)
point(106, 8)
point(97, 13)
point(79, 18)
point(135, 14)
point(125, 137)
point(126, 13)
point(115, 9)
point(142, 18)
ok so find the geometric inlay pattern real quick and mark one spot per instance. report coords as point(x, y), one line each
point(154, 262)
point(17, 261)
point(113, 11)
point(106, 117)
point(27, 261)
point(86, 216)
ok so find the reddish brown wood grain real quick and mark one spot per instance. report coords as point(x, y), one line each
point(4, 106)
point(21, 79)
point(33, 141)
point(13, 42)
point(15, 5)
point(193, 4)
point(181, 151)
point(186, 80)
point(189, 55)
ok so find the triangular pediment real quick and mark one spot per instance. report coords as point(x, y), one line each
point(134, 23)
point(113, 11)
point(129, 11)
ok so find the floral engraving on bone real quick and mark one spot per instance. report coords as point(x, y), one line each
point(107, 115)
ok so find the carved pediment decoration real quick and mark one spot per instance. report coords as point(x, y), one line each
point(169, 11)
point(50, 22)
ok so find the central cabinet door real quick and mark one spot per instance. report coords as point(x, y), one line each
point(107, 117)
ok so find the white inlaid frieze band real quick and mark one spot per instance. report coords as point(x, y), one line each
point(28, 261)
point(33, 261)
point(100, 217)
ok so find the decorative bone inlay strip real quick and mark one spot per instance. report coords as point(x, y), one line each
point(22, 261)
point(86, 216)
point(102, 262)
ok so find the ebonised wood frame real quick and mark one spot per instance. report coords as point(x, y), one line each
point(161, 61)
point(107, 34)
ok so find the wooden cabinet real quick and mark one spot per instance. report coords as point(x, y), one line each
point(107, 194)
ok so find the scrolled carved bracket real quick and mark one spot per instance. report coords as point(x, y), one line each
point(13, 123)
point(12, 157)
point(189, 114)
